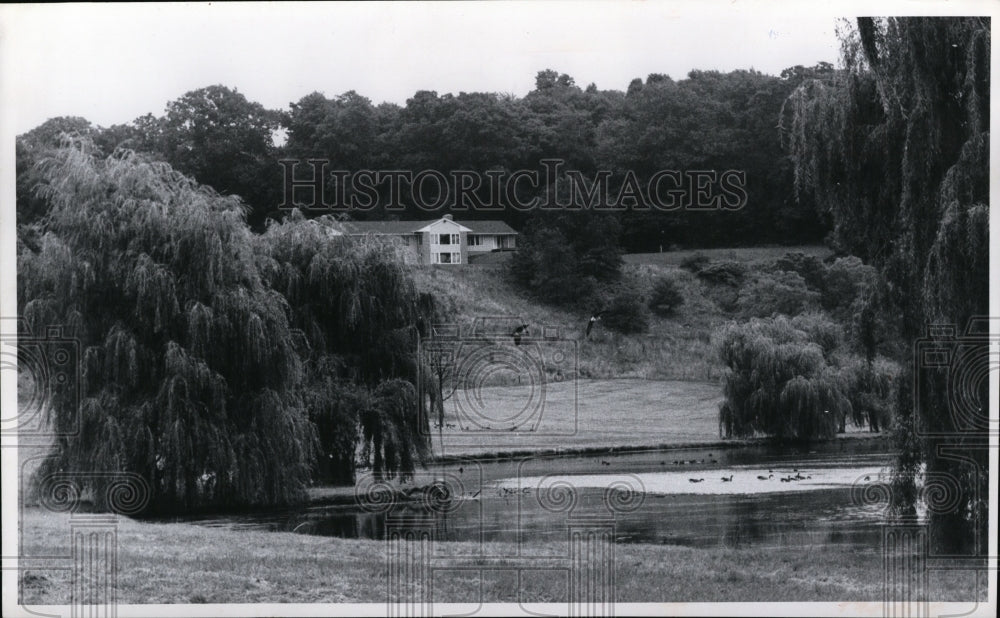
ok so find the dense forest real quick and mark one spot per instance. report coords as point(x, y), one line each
point(708, 121)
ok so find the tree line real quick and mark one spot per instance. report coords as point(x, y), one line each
point(706, 121)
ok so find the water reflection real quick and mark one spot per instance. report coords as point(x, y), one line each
point(508, 502)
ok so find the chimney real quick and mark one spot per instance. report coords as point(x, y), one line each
point(447, 218)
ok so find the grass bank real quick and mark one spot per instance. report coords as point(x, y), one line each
point(183, 563)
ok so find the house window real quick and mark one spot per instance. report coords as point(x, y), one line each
point(446, 258)
point(444, 239)
point(475, 240)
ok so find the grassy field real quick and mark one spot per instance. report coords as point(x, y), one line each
point(575, 415)
point(183, 563)
point(586, 416)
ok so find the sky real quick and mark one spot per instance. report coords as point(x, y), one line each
point(113, 63)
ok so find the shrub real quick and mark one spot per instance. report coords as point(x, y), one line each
point(809, 267)
point(775, 293)
point(843, 282)
point(627, 313)
point(666, 296)
point(695, 263)
point(723, 273)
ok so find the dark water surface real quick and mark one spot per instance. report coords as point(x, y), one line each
point(646, 498)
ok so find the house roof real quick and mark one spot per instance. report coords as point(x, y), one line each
point(488, 227)
point(411, 227)
point(383, 227)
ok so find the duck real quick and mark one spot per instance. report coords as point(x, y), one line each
point(695, 480)
point(764, 478)
point(727, 479)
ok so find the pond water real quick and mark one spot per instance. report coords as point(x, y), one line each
point(817, 496)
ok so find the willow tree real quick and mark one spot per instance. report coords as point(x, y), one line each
point(780, 380)
point(358, 311)
point(896, 148)
point(189, 373)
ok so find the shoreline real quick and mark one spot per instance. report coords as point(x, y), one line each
point(649, 448)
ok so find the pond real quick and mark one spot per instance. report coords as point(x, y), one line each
point(817, 496)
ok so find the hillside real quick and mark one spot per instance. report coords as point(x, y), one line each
point(676, 348)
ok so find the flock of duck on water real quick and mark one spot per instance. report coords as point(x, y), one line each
point(784, 479)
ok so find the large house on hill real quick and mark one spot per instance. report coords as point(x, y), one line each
point(441, 241)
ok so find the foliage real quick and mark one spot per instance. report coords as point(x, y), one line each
point(896, 149)
point(770, 293)
point(666, 296)
point(218, 137)
point(809, 267)
point(779, 382)
point(189, 375)
point(723, 273)
point(561, 259)
point(708, 120)
point(695, 263)
point(870, 390)
point(358, 310)
point(627, 313)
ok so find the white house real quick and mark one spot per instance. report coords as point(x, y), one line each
point(441, 241)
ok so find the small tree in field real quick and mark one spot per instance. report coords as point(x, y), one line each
point(190, 377)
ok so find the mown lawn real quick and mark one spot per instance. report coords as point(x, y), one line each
point(183, 563)
point(582, 414)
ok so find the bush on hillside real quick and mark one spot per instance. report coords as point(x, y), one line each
point(723, 273)
point(627, 313)
point(775, 293)
point(809, 267)
point(694, 263)
point(666, 296)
